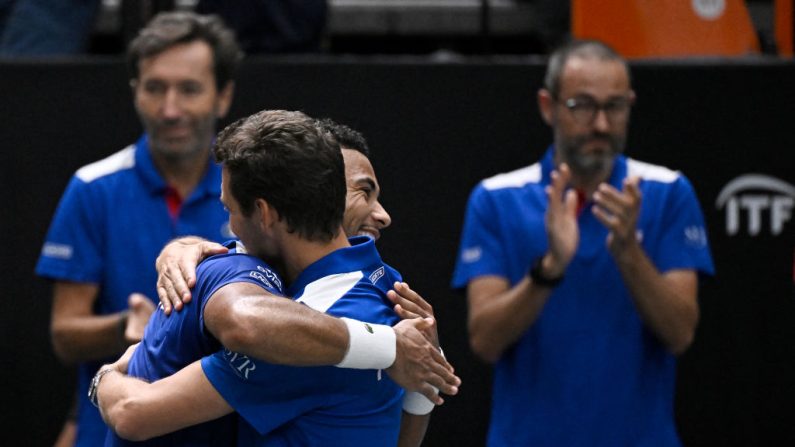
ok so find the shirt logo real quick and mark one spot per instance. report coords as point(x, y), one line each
point(376, 275)
point(261, 278)
point(240, 364)
point(368, 328)
point(271, 276)
point(754, 199)
point(696, 236)
point(58, 251)
point(471, 255)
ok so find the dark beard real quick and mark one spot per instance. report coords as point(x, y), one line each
point(591, 165)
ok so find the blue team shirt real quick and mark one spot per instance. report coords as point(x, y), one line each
point(108, 229)
point(172, 342)
point(328, 406)
point(587, 372)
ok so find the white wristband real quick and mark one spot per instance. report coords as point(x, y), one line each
point(370, 346)
point(416, 403)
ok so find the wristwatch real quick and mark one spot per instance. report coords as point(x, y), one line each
point(538, 277)
point(92, 387)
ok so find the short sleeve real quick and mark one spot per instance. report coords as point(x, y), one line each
point(221, 270)
point(266, 395)
point(72, 249)
point(481, 251)
point(683, 242)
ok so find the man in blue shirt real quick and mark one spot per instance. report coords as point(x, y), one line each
point(581, 272)
point(117, 213)
point(295, 225)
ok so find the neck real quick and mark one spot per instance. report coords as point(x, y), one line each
point(300, 253)
point(182, 174)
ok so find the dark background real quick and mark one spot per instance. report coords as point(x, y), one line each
point(435, 130)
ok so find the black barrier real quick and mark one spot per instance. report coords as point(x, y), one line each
point(435, 130)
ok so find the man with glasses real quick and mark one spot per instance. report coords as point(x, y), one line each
point(581, 272)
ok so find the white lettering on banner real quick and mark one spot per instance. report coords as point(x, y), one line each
point(709, 9)
point(756, 195)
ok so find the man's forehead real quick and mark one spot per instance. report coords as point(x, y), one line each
point(593, 75)
point(356, 164)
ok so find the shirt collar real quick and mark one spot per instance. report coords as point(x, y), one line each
point(361, 255)
point(210, 184)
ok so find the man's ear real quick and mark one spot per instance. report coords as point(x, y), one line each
point(268, 215)
point(546, 105)
point(225, 99)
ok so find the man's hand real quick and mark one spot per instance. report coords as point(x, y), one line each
point(409, 304)
point(561, 223)
point(121, 364)
point(176, 269)
point(618, 211)
point(419, 366)
point(140, 309)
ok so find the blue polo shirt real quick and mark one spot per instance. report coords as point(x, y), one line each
point(328, 406)
point(172, 342)
point(108, 229)
point(587, 372)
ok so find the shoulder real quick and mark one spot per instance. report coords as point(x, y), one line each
point(120, 161)
point(652, 172)
point(236, 267)
point(514, 179)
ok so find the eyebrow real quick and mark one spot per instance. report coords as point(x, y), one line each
point(369, 181)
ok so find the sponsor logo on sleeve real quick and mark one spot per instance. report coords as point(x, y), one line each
point(471, 254)
point(756, 202)
point(241, 364)
point(272, 277)
point(57, 251)
point(261, 278)
point(696, 236)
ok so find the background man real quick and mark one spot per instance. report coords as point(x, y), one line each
point(581, 272)
point(281, 189)
point(117, 213)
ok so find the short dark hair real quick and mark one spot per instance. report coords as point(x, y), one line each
point(287, 160)
point(577, 48)
point(347, 138)
point(172, 28)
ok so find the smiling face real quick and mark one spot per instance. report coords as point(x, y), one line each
point(364, 214)
point(590, 146)
point(177, 100)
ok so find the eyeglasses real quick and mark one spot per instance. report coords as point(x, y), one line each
point(584, 108)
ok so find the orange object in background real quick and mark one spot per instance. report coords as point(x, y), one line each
point(784, 18)
point(663, 28)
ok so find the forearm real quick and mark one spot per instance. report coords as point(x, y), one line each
point(412, 429)
point(666, 303)
point(90, 337)
point(497, 321)
point(281, 331)
point(137, 410)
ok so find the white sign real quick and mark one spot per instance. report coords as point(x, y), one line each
point(760, 201)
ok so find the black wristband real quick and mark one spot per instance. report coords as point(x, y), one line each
point(538, 276)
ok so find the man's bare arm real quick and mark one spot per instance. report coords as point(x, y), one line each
point(137, 410)
point(247, 319)
point(77, 333)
